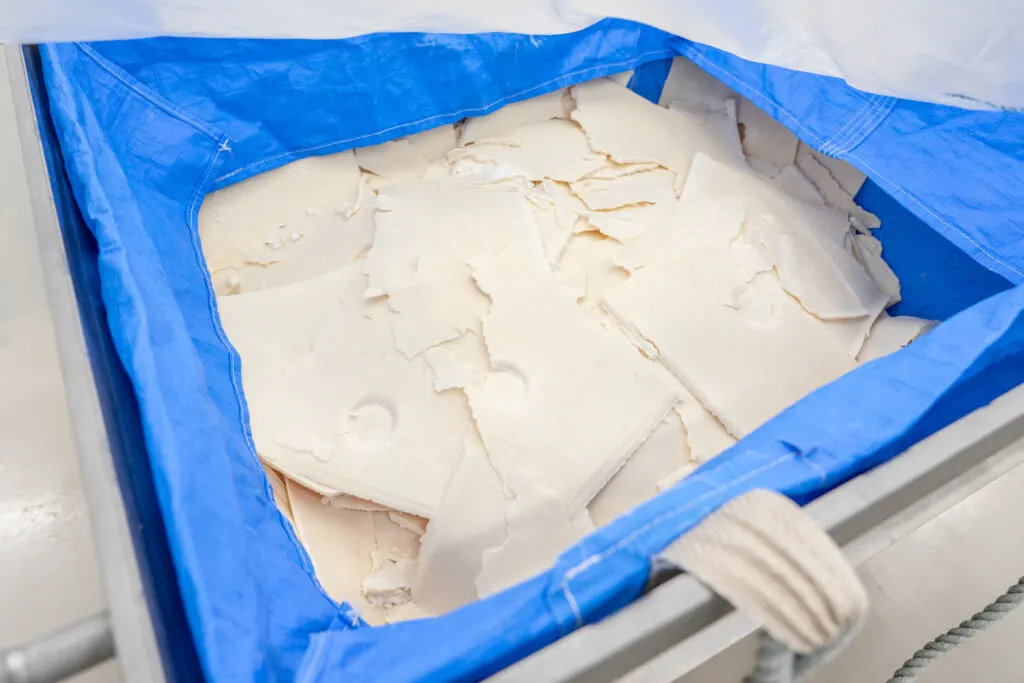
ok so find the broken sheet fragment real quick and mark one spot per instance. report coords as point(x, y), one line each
point(543, 409)
point(470, 519)
point(662, 453)
point(652, 135)
point(706, 437)
point(648, 187)
point(688, 83)
point(890, 334)
point(539, 529)
point(285, 225)
point(333, 404)
point(808, 245)
point(425, 231)
point(556, 149)
point(393, 561)
point(732, 334)
point(830, 189)
point(765, 138)
point(588, 268)
point(339, 543)
point(868, 251)
point(427, 234)
point(552, 105)
point(694, 221)
point(459, 362)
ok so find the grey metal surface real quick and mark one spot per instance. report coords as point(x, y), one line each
point(864, 516)
point(138, 653)
point(58, 655)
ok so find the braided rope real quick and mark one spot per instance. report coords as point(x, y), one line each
point(1003, 605)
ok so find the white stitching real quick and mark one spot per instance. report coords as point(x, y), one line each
point(135, 86)
point(593, 560)
point(927, 209)
point(234, 358)
point(868, 127)
point(842, 132)
point(604, 68)
point(853, 127)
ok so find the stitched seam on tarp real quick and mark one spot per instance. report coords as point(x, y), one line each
point(135, 86)
point(927, 209)
point(622, 543)
point(234, 360)
point(741, 86)
point(852, 127)
point(869, 126)
point(475, 111)
point(853, 121)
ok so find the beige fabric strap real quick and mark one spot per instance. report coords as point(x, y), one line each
point(763, 554)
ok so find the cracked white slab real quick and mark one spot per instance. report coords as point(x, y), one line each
point(459, 362)
point(765, 138)
point(426, 230)
point(470, 518)
point(588, 268)
point(868, 251)
point(539, 529)
point(629, 222)
point(891, 333)
point(706, 437)
point(427, 234)
point(339, 543)
point(694, 221)
point(413, 523)
point(542, 408)
point(734, 337)
point(810, 247)
point(392, 563)
point(654, 134)
point(347, 502)
point(848, 176)
point(793, 182)
point(648, 187)
point(688, 83)
point(333, 404)
point(661, 454)
point(552, 105)
point(407, 159)
point(555, 231)
point(555, 149)
point(285, 225)
point(833, 193)
point(431, 312)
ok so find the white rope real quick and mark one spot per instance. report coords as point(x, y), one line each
point(761, 552)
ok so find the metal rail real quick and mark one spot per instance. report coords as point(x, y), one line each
point(680, 624)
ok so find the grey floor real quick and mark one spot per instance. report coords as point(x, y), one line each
point(933, 577)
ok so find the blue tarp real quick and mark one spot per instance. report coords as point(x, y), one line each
point(147, 128)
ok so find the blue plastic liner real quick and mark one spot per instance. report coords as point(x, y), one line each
point(148, 128)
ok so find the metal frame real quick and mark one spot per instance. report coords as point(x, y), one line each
point(668, 631)
point(681, 624)
point(133, 626)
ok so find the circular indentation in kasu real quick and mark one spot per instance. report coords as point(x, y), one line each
point(371, 422)
point(506, 386)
